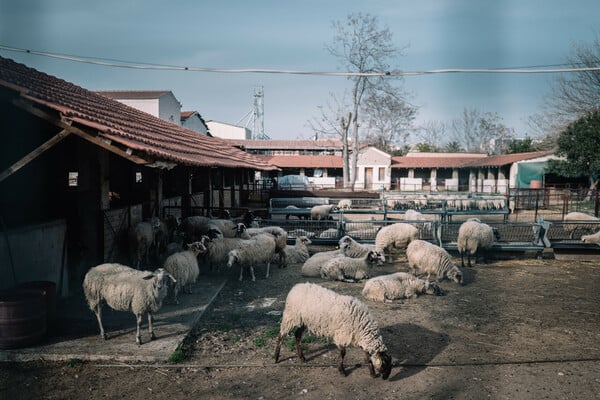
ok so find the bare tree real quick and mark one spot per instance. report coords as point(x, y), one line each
point(577, 93)
point(480, 132)
point(388, 120)
point(362, 47)
point(432, 133)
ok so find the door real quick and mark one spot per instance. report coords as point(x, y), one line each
point(368, 178)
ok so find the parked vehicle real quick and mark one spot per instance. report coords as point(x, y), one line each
point(294, 182)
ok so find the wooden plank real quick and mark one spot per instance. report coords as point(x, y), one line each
point(34, 154)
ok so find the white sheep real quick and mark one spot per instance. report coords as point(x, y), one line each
point(351, 248)
point(218, 249)
point(141, 237)
point(576, 216)
point(400, 285)
point(298, 253)
point(345, 204)
point(397, 235)
point(329, 233)
point(300, 232)
point(343, 318)
point(426, 258)
point(312, 266)
point(126, 289)
point(593, 239)
point(348, 269)
point(474, 235)
point(322, 211)
point(183, 266)
point(195, 226)
point(258, 250)
point(280, 235)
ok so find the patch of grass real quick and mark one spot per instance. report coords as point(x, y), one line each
point(271, 333)
point(74, 362)
point(259, 342)
point(235, 339)
point(179, 355)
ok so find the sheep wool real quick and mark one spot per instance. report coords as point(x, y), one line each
point(400, 285)
point(349, 269)
point(126, 289)
point(474, 235)
point(183, 266)
point(397, 236)
point(345, 204)
point(281, 237)
point(593, 239)
point(312, 266)
point(321, 211)
point(298, 253)
point(426, 258)
point(259, 250)
point(351, 248)
point(343, 318)
point(576, 216)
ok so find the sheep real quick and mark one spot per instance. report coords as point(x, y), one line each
point(329, 233)
point(141, 237)
point(576, 216)
point(474, 235)
point(424, 257)
point(343, 318)
point(322, 211)
point(218, 249)
point(400, 285)
point(593, 239)
point(258, 250)
point(295, 211)
point(195, 226)
point(281, 237)
point(348, 269)
point(397, 235)
point(183, 266)
point(351, 248)
point(344, 204)
point(126, 289)
point(298, 253)
point(312, 266)
point(300, 232)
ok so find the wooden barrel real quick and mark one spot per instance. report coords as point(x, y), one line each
point(22, 318)
point(48, 290)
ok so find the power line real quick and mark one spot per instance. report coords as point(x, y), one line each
point(108, 62)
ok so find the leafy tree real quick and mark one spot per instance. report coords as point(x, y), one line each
point(579, 144)
point(362, 47)
point(521, 146)
point(425, 148)
point(453, 147)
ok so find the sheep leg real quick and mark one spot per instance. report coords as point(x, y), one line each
point(241, 272)
point(469, 260)
point(268, 268)
point(298, 334)
point(252, 273)
point(462, 259)
point(138, 336)
point(278, 347)
point(150, 327)
point(98, 312)
point(341, 363)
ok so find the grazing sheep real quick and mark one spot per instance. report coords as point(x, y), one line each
point(399, 285)
point(258, 250)
point(298, 253)
point(474, 235)
point(424, 257)
point(281, 237)
point(141, 237)
point(344, 204)
point(321, 212)
point(576, 216)
point(348, 269)
point(397, 235)
point(183, 266)
point(312, 266)
point(126, 289)
point(343, 318)
point(593, 239)
point(351, 248)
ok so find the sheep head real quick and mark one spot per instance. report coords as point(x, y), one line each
point(455, 275)
point(197, 248)
point(380, 364)
point(433, 288)
point(161, 277)
point(233, 257)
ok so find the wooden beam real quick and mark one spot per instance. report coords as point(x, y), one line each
point(34, 154)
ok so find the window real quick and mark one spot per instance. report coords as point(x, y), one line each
point(381, 174)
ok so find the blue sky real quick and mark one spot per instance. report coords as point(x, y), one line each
point(278, 34)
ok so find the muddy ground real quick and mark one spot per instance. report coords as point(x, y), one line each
point(518, 329)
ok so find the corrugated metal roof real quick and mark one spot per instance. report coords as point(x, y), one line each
point(150, 137)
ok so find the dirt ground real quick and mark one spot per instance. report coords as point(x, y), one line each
point(518, 329)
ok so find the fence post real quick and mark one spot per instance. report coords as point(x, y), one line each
point(596, 205)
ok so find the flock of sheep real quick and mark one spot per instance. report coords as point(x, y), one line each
point(217, 243)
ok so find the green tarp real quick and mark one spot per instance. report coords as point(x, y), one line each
point(530, 171)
